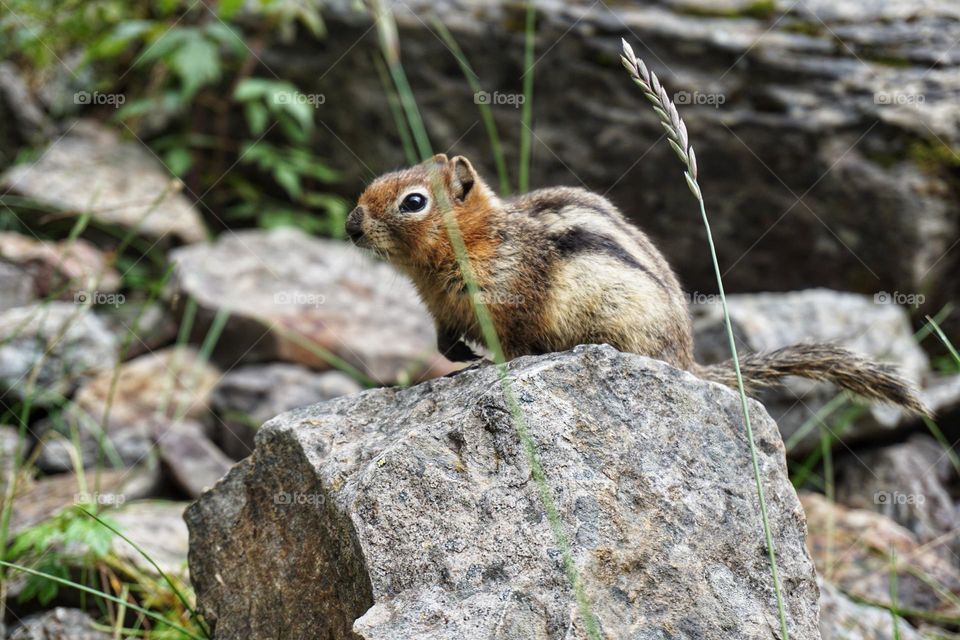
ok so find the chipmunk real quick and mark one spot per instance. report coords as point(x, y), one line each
point(559, 267)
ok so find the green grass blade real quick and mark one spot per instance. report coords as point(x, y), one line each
point(486, 113)
point(173, 587)
point(526, 113)
point(101, 594)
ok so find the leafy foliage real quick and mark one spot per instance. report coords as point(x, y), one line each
point(53, 546)
point(184, 69)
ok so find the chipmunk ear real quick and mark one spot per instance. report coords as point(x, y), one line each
point(439, 159)
point(463, 178)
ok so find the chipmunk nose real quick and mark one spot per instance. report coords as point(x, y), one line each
point(354, 224)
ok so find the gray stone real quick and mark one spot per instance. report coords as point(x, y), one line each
point(195, 463)
point(158, 528)
point(300, 299)
point(90, 169)
point(134, 407)
point(248, 396)
point(48, 349)
point(58, 624)
point(907, 482)
point(823, 129)
point(843, 619)
point(413, 513)
point(16, 289)
point(853, 549)
point(65, 270)
point(872, 326)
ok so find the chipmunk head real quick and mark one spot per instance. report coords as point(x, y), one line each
point(401, 214)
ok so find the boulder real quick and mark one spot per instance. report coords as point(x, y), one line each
point(48, 349)
point(316, 302)
point(869, 325)
point(248, 396)
point(416, 513)
point(824, 130)
point(90, 169)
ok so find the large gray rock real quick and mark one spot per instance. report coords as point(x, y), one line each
point(48, 349)
point(869, 325)
point(250, 395)
point(415, 513)
point(90, 169)
point(300, 299)
point(823, 129)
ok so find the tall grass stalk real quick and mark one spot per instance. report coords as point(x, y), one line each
point(526, 113)
point(173, 587)
point(486, 113)
point(677, 136)
point(944, 339)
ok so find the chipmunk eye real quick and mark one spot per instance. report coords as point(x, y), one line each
point(413, 203)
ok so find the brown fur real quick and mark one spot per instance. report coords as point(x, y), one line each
point(560, 267)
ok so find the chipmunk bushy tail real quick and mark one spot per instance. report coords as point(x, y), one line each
point(828, 363)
